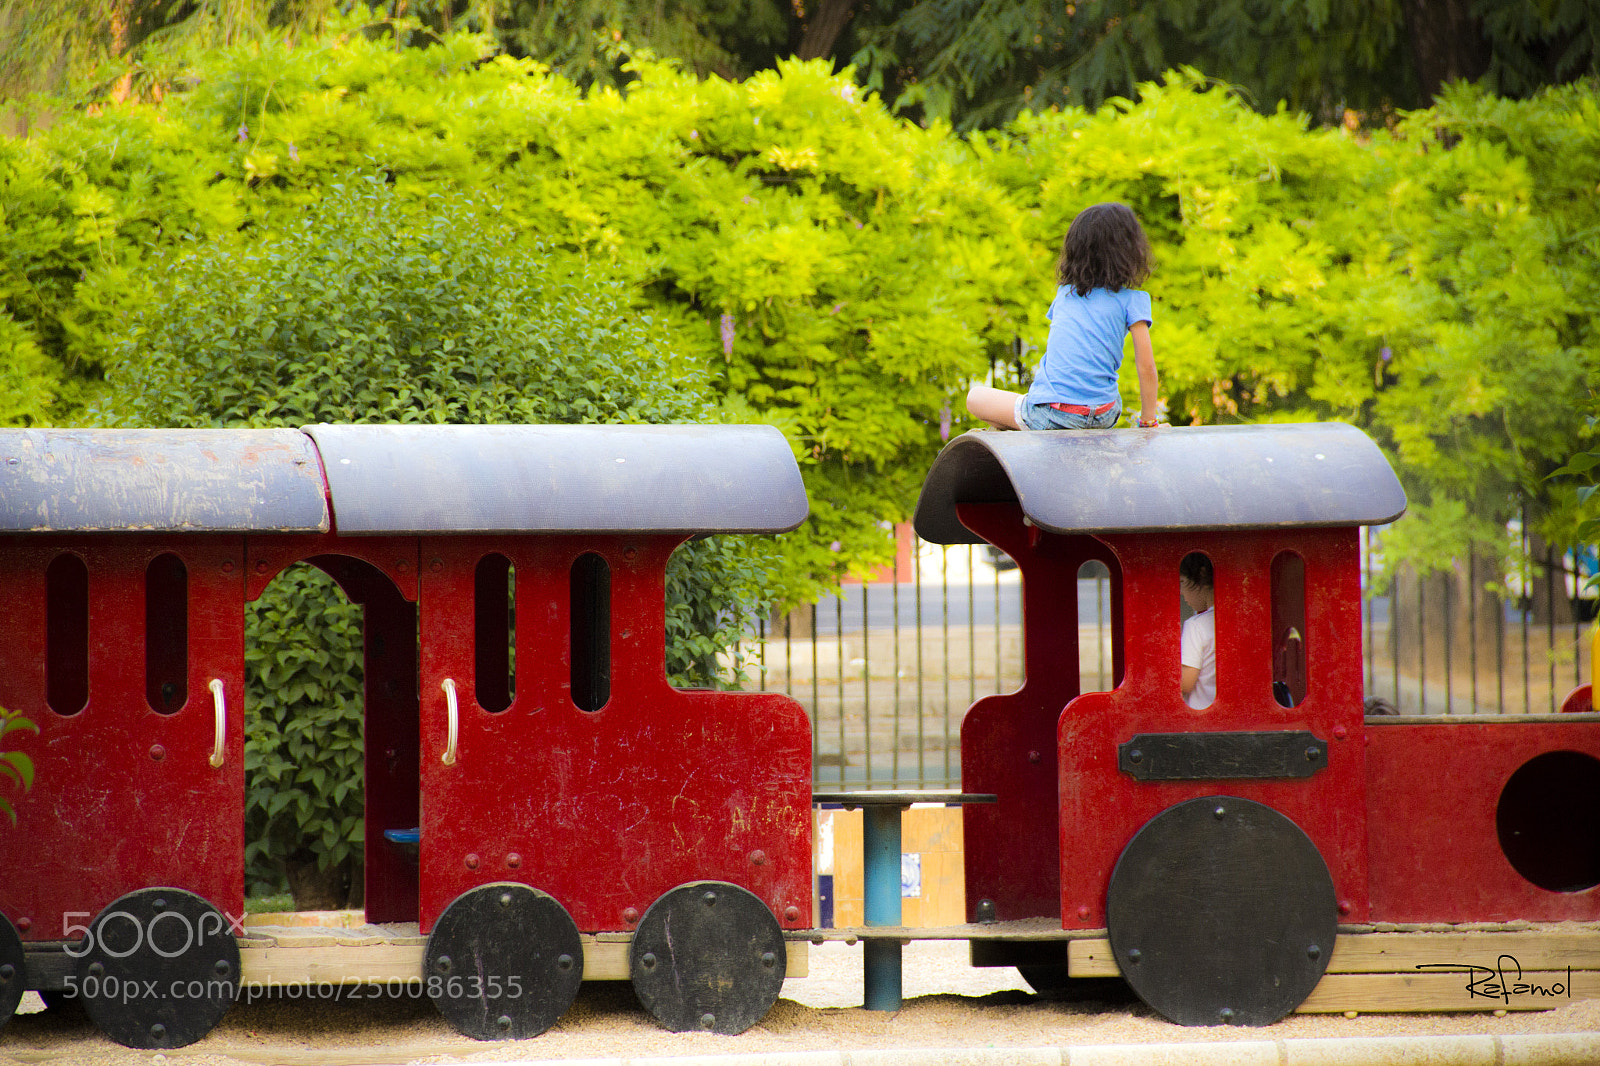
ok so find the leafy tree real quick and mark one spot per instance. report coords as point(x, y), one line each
point(367, 308)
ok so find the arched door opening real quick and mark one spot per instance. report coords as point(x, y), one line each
point(332, 726)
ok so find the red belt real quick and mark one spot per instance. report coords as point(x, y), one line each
point(1079, 409)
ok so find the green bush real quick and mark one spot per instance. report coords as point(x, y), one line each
point(367, 308)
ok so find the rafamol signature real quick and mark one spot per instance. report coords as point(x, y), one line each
point(1503, 980)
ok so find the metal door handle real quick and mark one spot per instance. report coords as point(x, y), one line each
point(220, 705)
point(449, 686)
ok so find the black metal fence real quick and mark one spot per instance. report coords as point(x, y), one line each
point(887, 669)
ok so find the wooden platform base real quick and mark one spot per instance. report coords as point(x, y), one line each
point(1538, 968)
point(391, 954)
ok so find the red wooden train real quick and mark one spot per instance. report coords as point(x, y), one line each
point(1214, 858)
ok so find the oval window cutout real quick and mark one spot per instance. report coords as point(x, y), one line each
point(495, 632)
point(1288, 629)
point(66, 634)
point(166, 634)
point(591, 632)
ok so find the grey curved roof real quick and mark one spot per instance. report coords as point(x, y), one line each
point(159, 480)
point(560, 479)
point(1177, 477)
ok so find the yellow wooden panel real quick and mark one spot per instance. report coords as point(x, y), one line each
point(1404, 952)
point(944, 890)
point(849, 895)
point(925, 829)
point(1387, 992)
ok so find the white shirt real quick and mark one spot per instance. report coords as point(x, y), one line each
point(1198, 648)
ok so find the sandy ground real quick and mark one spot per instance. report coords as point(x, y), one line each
point(948, 1004)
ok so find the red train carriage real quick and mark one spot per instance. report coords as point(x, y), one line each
point(580, 797)
point(1221, 850)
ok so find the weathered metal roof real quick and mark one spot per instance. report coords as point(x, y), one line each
point(159, 480)
point(560, 479)
point(1188, 477)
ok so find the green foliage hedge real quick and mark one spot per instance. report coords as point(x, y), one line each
point(784, 250)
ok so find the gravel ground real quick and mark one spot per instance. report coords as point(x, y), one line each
point(948, 1004)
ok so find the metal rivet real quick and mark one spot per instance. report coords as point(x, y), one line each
point(707, 1021)
point(1083, 913)
point(1313, 952)
point(159, 905)
point(436, 565)
point(1136, 755)
point(505, 899)
point(12, 461)
point(513, 861)
point(1034, 756)
point(402, 566)
point(768, 959)
point(564, 963)
point(985, 912)
point(758, 857)
point(1134, 955)
point(472, 860)
point(24, 924)
point(222, 968)
point(648, 960)
point(157, 752)
point(504, 1022)
point(97, 969)
point(227, 567)
point(443, 965)
point(261, 566)
point(1313, 754)
point(7, 972)
point(630, 915)
point(710, 898)
point(1345, 906)
point(791, 914)
point(1220, 813)
point(1226, 1014)
point(630, 553)
point(158, 1031)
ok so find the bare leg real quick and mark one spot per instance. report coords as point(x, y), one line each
point(995, 406)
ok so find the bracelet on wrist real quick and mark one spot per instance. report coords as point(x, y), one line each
point(1149, 423)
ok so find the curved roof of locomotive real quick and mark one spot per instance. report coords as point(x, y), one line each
point(561, 479)
point(160, 480)
point(1177, 477)
point(401, 480)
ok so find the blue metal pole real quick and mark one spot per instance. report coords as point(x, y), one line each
point(881, 877)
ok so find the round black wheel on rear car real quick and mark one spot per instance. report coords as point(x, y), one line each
point(13, 970)
point(1221, 911)
point(504, 962)
point(159, 968)
point(708, 956)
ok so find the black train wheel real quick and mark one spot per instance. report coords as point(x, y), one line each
point(708, 956)
point(159, 969)
point(13, 970)
point(504, 961)
point(1221, 912)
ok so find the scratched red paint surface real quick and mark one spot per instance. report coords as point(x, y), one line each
point(1102, 808)
point(105, 816)
point(605, 810)
point(1433, 790)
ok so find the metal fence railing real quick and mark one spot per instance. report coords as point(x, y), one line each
point(887, 669)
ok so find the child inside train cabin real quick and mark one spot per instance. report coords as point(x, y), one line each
point(1105, 254)
point(1197, 645)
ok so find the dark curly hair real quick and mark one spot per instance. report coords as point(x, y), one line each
point(1105, 248)
point(1196, 567)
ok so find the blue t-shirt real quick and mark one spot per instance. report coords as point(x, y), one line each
point(1084, 352)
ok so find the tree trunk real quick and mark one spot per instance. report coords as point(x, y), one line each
point(315, 889)
point(1446, 43)
point(823, 28)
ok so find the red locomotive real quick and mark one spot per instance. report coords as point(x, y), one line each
point(1218, 859)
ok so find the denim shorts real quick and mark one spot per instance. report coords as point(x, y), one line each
point(1043, 416)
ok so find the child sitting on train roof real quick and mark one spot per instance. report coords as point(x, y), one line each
point(1197, 646)
point(1104, 254)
